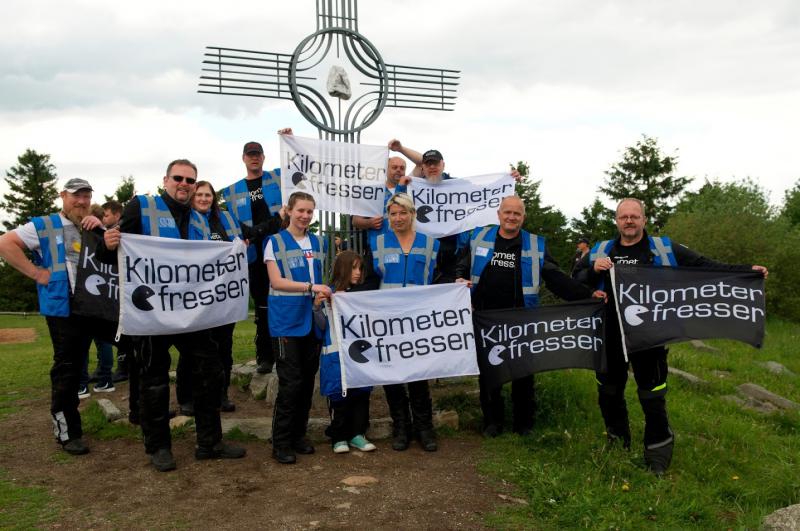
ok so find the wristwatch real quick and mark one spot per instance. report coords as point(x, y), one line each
point(310, 287)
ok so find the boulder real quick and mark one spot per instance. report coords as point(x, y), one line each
point(786, 519)
point(759, 393)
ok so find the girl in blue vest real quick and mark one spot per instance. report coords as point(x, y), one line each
point(294, 259)
point(219, 226)
point(403, 257)
point(350, 412)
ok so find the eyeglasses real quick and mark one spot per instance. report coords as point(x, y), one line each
point(629, 218)
point(180, 178)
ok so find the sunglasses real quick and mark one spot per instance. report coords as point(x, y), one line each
point(180, 178)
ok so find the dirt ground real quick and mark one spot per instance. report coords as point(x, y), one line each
point(115, 487)
point(17, 335)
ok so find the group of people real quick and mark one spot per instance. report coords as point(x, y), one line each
point(503, 265)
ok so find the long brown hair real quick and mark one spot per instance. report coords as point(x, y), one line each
point(343, 269)
point(293, 199)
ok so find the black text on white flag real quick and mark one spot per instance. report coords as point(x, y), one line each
point(171, 286)
point(404, 335)
point(661, 305)
point(96, 283)
point(521, 341)
point(458, 205)
point(344, 178)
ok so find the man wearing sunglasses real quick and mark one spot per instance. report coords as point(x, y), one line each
point(169, 215)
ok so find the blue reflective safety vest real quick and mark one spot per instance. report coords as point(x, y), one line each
point(54, 297)
point(237, 199)
point(232, 228)
point(157, 220)
point(330, 370)
point(290, 312)
point(660, 246)
point(398, 270)
point(531, 261)
point(372, 234)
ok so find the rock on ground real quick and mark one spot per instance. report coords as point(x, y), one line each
point(689, 377)
point(786, 519)
point(110, 411)
point(759, 393)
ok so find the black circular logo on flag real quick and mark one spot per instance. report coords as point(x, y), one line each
point(139, 298)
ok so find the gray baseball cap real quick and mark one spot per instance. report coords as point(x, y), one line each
point(73, 185)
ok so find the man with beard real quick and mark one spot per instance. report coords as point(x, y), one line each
point(255, 202)
point(170, 216)
point(55, 242)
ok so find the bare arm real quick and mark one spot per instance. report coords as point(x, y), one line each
point(364, 223)
point(282, 284)
point(12, 251)
point(410, 154)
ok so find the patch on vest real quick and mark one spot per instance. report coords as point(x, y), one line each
point(391, 259)
point(482, 251)
point(296, 261)
point(166, 222)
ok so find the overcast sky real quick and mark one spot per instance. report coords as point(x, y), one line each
point(109, 88)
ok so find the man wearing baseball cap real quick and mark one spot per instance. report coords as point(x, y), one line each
point(255, 202)
point(55, 242)
point(582, 247)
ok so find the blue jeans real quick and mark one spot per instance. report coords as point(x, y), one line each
point(105, 363)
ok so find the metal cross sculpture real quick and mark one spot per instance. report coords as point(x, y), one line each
point(340, 110)
point(340, 102)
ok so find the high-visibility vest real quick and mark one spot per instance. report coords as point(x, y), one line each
point(229, 224)
point(660, 246)
point(330, 370)
point(157, 220)
point(290, 312)
point(52, 254)
point(531, 260)
point(237, 199)
point(372, 234)
point(398, 270)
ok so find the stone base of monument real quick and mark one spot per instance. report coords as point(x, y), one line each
point(261, 427)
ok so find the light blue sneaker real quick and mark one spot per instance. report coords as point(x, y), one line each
point(361, 442)
point(340, 447)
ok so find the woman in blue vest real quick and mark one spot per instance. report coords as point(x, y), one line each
point(403, 257)
point(294, 259)
point(219, 226)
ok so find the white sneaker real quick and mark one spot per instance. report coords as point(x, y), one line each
point(340, 447)
point(83, 392)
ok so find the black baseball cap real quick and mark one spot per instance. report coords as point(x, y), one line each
point(432, 154)
point(584, 240)
point(252, 147)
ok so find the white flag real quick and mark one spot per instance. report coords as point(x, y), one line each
point(171, 286)
point(404, 335)
point(344, 178)
point(457, 205)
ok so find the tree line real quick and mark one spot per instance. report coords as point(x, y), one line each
point(731, 222)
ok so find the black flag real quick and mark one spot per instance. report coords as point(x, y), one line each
point(661, 305)
point(521, 341)
point(97, 284)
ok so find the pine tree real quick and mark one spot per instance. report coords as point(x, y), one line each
point(124, 192)
point(596, 223)
point(646, 174)
point(32, 185)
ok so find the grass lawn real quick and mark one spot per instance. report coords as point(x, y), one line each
point(731, 466)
